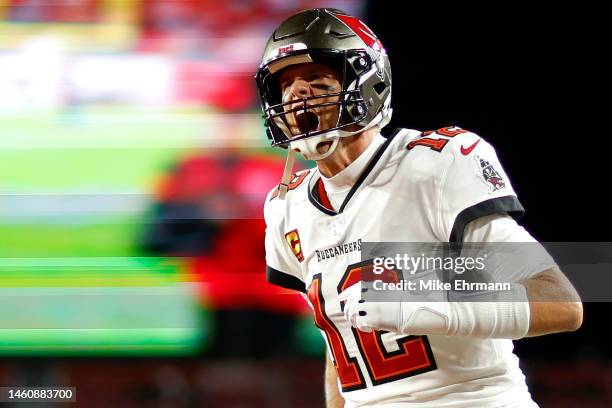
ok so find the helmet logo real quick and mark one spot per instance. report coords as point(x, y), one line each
point(285, 50)
point(362, 31)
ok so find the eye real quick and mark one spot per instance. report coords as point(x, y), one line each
point(323, 87)
point(316, 76)
point(284, 84)
point(324, 82)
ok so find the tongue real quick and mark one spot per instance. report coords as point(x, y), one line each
point(307, 122)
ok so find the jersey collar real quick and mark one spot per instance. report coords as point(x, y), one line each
point(316, 184)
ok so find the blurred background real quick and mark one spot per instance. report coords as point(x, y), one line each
point(134, 164)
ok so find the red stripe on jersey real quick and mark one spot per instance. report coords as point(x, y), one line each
point(323, 198)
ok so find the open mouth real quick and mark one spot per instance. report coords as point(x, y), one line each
point(307, 121)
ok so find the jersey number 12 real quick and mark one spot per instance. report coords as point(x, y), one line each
point(413, 356)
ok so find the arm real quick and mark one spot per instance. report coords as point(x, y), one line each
point(554, 304)
point(542, 303)
point(547, 314)
point(333, 399)
point(472, 194)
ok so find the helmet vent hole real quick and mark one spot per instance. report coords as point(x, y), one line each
point(340, 35)
point(380, 88)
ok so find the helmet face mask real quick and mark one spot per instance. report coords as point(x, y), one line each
point(323, 36)
point(348, 103)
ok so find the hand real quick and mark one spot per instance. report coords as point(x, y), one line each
point(371, 315)
point(409, 316)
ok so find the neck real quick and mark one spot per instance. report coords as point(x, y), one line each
point(348, 149)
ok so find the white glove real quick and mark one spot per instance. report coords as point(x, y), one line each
point(501, 319)
point(408, 317)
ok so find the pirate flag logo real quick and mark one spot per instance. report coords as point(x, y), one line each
point(490, 175)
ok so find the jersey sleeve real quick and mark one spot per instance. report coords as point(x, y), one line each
point(519, 255)
point(282, 267)
point(473, 184)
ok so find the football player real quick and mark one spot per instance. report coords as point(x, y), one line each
point(325, 87)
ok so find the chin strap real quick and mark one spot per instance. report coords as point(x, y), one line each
point(283, 187)
point(309, 145)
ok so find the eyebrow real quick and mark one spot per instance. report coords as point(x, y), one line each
point(313, 70)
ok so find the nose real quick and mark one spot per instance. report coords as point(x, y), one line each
point(300, 88)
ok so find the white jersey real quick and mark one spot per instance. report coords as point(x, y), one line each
point(417, 187)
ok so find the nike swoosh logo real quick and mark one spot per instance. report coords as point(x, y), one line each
point(467, 150)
